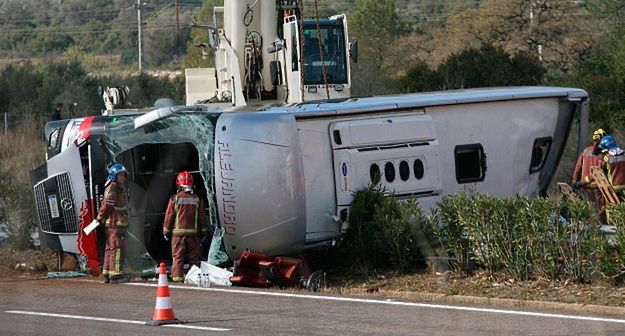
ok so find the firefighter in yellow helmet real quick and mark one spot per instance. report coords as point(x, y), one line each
point(185, 221)
point(590, 156)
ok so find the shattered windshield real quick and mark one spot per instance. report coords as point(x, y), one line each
point(154, 155)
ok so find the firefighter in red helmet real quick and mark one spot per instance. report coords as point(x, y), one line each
point(185, 221)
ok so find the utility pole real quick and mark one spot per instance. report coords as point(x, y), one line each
point(540, 46)
point(178, 24)
point(6, 124)
point(138, 6)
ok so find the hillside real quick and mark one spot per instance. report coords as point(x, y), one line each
point(107, 30)
point(43, 28)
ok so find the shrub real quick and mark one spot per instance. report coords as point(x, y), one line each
point(384, 231)
point(448, 225)
point(524, 237)
point(611, 257)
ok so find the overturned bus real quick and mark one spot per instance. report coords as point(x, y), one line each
point(280, 180)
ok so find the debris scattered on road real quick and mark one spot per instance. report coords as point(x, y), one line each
point(207, 275)
point(70, 274)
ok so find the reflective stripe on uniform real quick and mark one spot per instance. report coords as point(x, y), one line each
point(191, 201)
point(121, 210)
point(185, 201)
point(118, 224)
point(184, 231)
point(118, 262)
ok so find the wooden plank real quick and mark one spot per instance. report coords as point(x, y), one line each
point(568, 192)
point(604, 185)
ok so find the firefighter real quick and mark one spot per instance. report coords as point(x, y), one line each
point(614, 164)
point(185, 220)
point(590, 156)
point(114, 215)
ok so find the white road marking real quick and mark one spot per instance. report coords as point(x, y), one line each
point(78, 317)
point(397, 303)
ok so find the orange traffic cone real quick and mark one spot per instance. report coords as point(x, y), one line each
point(163, 312)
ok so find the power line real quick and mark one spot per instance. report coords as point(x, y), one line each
point(91, 14)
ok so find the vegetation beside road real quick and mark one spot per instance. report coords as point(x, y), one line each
point(524, 238)
point(485, 43)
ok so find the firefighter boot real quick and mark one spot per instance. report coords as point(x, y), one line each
point(116, 279)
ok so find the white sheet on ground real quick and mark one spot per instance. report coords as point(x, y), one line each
point(207, 275)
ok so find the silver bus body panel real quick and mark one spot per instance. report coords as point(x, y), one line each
point(259, 183)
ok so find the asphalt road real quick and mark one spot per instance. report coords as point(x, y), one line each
point(83, 307)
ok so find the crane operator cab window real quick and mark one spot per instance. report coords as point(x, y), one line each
point(328, 44)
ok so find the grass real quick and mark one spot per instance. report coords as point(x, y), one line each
point(21, 150)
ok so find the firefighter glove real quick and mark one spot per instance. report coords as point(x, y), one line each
point(577, 185)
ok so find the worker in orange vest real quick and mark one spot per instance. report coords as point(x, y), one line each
point(185, 220)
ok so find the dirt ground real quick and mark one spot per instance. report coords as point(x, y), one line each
point(483, 284)
point(27, 263)
point(34, 264)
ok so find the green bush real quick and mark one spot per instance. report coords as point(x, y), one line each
point(526, 238)
point(611, 258)
point(384, 231)
point(448, 225)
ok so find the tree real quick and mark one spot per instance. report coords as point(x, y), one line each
point(475, 67)
point(420, 77)
point(602, 69)
point(556, 31)
point(199, 35)
point(489, 66)
point(376, 25)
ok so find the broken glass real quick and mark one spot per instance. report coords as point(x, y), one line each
point(154, 154)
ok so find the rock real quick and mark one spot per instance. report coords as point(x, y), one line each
point(40, 266)
point(69, 262)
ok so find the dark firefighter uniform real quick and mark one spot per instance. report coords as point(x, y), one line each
point(185, 220)
point(114, 214)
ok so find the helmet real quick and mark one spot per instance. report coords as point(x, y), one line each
point(114, 170)
point(184, 179)
point(598, 134)
point(607, 143)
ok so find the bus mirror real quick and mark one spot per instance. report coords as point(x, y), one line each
point(274, 70)
point(353, 51)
